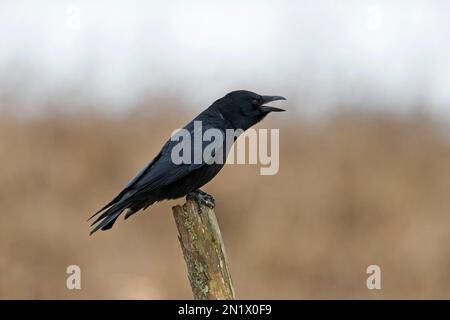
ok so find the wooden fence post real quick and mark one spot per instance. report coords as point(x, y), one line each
point(203, 251)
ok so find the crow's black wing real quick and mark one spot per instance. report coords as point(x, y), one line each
point(165, 171)
point(129, 185)
point(161, 171)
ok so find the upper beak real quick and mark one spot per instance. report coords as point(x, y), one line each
point(267, 99)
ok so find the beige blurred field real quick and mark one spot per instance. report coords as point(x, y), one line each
point(352, 191)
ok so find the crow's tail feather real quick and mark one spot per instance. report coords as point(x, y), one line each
point(119, 197)
point(107, 219)
point(132, 204)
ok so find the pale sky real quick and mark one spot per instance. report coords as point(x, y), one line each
point(321, 54)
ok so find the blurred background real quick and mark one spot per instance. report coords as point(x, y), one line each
point(90, 90)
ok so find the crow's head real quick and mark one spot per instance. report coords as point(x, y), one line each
point(245, 108)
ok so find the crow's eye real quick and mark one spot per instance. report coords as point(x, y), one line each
point(255, 102)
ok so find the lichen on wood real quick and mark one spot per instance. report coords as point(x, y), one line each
point(203, 250)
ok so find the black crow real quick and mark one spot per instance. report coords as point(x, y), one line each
point(164, 179)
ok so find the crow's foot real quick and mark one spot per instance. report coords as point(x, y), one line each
point(202, 198)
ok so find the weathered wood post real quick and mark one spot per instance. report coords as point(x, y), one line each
point(203, 250)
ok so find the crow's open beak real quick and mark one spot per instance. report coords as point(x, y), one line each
point(267, 99)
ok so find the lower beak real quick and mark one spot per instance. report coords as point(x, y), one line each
point(271, 109)
point(267, 99)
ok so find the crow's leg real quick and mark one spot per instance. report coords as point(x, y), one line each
point(202, 197)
